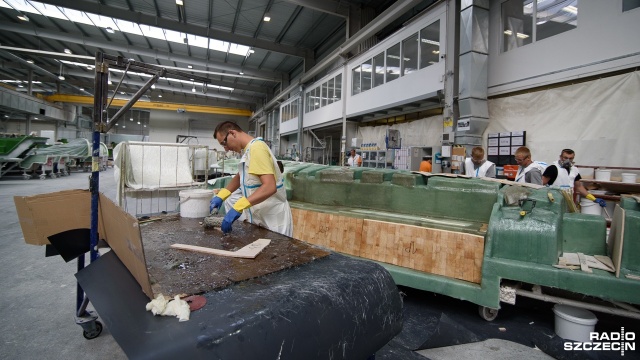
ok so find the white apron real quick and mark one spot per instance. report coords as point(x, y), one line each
point(274, 213)
point(479, 172)
point(534, 165)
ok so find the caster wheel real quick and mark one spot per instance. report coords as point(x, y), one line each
point(26, 177)
point(95, 333)
point(42, 177)
point(488, 314)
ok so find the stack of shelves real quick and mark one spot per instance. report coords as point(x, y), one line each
point(380, 159)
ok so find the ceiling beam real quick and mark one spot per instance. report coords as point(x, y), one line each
point(326, 6)
point(135, 50)
point(156, 21)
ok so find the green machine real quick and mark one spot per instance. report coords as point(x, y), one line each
point(513, 236)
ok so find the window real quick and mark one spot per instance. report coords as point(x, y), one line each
point(365, 75)
point(338, 88)
point(307, 108)
point(555, 17)
point(378, 70)
point(517, 21)
point(324, 94)
point(430, 45)
point(552, 17)
point(630, 5)
point(330, 90)
point(410, 54)
point(393, 62)
point(355, 78)
point(316, 98)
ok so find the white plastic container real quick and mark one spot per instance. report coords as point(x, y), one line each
point(194, 203)
point(603, 175)
point(589, 207)
point(572, 323)
point(629, 178)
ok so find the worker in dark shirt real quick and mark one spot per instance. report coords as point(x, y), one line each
point(563, 174)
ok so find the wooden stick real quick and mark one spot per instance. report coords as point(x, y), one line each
point(248, 252)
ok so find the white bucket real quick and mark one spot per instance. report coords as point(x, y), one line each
point(589, 207)
point(572, 323)
point(194, 203)
point(629, 178)
point(603, 175)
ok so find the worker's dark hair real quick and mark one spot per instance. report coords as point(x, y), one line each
point(280, 166)
point(225, 127)
point(567, 151)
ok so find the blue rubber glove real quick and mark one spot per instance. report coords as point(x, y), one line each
point(215, 204)
point(600, 202)
point(232, 215)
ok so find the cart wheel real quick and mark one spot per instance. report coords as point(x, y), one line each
point(26, 177)
point(43, 176)
point(95, 333)
point(488, 314)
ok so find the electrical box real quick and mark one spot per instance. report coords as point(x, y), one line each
point(448, 137)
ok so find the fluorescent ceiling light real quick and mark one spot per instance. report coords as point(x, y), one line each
point(67, 51)
point(436, 51)
point(160, 95)
point(153, 86)
point(30, 61)
point(251, 51)
point(194, 89)
point(179, 2)
point(81, 89)
point(267, 17)
point(571, 9)
point(23, 17)
point(241, 73)
point(190, 66)
point(61, 77)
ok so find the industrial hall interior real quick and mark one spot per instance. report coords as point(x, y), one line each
point(320, 179)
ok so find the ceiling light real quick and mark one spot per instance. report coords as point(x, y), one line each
point(153, 86)
point(110, 82)
point(190, 66)
point(122, 92)
point(30, 61)
point(124, 126)
point(241, 73)
point(251, 51)
point(35, 118)
point(60, 74)
point(194, 89)
point(130, 119)
point(138, 122)
point(160, 95)
point(436, 51)
point(81, 89)
point(67, 51)
point(145, 125)
point(61, 77)
point(110, 30)
point(6, 116)
point(23, 17)
point(571, 9)
point(267, 17)
point(179, 2)
point(20, 85)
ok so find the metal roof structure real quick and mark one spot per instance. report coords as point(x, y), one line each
point(246, 59)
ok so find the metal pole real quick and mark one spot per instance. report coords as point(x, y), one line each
point(99, 102)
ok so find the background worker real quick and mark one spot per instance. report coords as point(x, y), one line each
point(425, 164)
point(264, 199)
point(528, 171)
point(354, 160)
point(563, 174)
point(477, 166)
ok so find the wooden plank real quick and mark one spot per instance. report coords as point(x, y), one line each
point(616, 237)
point(447, 253)
point(606, 261)
point(596, 264)
point(583, 263)
point(248, 252)
point(569, 259)
point(631, 276)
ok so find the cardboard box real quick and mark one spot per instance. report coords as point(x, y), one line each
point(44, 215)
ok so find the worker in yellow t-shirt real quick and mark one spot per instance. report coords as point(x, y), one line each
point(425, 165)
point(264, 201)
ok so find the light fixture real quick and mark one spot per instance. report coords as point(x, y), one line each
point(30, 61)
point(60, 74)
point(138, 122)
point(436, 51)
point(251, 51)
point(67, 51)
point(267, 17)
point(194, 89)
point(20, 85)
point(570, 9)
point(23, 17)
point(179, 2)
point(124, 126)
point(81, 89)
point(110, 82)
point(109, 30)
point(35, 118)
point(160, 95)
point(153, 86)
point(190, 66)
point(241, 73)
point(122, 93)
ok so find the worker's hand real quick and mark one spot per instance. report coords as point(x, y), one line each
point(600, 202)
point(231, 216)
point(215, 204)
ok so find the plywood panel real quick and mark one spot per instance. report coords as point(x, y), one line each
point(447, 253)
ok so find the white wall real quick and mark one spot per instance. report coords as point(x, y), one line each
point(606, 39)
point(164, 126)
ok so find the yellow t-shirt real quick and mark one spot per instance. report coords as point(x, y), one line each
point(261, 162)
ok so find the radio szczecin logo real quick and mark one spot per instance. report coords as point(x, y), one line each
point(612, 341)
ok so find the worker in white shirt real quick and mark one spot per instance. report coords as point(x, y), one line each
point(562, 174)
point(529, 171)
point(354, 159)
point(477, 166)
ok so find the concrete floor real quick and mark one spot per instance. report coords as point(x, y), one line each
point(38, 303)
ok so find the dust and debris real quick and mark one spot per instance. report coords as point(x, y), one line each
point(178, 272)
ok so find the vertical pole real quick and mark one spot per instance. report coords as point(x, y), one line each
point(99, 102)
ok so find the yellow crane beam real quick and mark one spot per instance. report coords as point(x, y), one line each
point(88, 100)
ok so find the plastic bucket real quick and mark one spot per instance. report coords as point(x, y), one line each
point(603, 175)
point(589, 207)
point(572, 323)
point(194, 203)
point(629, 178)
